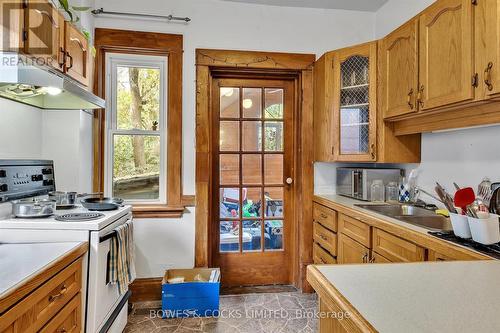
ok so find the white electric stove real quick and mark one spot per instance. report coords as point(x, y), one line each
point(106, 308)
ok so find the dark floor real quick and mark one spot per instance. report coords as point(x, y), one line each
point(253, 313)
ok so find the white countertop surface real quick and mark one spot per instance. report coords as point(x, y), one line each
point(422, 297)
point(19, 262)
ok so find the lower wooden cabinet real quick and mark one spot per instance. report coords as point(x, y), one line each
point(326, 238)
point(321, 256)
point(352, 252)
point(68, 320)
point(396, 249)
point(378, 259)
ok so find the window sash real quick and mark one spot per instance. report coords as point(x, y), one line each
point(113, 61)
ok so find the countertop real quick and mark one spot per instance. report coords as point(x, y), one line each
point(418, 297)
point(21, 263)
point(417, 234)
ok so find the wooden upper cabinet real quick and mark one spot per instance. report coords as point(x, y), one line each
point(323, 108)
point(445, 54)
point(355, 103)
point(398, 66)
point(487, 45)
point(12, 25)
point(45, 33)
point(77, 53)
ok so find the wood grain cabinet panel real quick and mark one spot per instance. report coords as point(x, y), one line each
point(445, 53)
point(396, 249)
point(11, 38)
point(325, 238)
point(325, 216)
point(77, 52)
point(355, 229)
point(68, 320)
point(378, 259)
point(352, 252)
point(398, 62)
point(487, 46)
point(45, 33)
point(321, 256)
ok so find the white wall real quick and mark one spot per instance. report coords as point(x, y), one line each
point(223, 25)
point(396, 12)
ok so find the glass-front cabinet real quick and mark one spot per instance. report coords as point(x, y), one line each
point(354, 104)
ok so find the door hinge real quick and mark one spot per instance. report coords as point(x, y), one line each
point(25, 35)
point(475, 80)
point(474, 2)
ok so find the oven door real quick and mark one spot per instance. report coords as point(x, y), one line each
point(103, 297)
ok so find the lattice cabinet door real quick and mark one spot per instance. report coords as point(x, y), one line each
point(355, 94)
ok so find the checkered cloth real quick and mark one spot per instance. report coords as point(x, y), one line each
point(121, 264)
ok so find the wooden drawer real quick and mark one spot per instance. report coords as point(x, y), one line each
point(325, 238)
point(68, 320)
point(378, 259)
point(436, 256)
point(396, 249)
point(326, 216)
point(34, 311)
point(357, 230)
point(321, 256)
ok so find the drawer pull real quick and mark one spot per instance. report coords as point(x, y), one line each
point(365, 258)
point(372, 260)
point(52, 298)
point(62, 330)
point(324, 215)
point(323, 237)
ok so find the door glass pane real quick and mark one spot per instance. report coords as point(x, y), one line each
point(252, 202)
point(252, 136)
point(229, 203)
point(252, 235)
point(274, 103)
point(136, 167)
point(273, 169)
point(229, 169)
point(274, 202)
point(229, 136)
point(252, 103)
point(274, 229)
point(229, 234)
point(138, 98)
point(229, 102)
point(274, 136)
point(354, 106)
point(252, 169)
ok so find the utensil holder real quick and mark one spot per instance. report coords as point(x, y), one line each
point(485, 231)
point(460, 225)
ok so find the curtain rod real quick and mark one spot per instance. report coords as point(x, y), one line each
point(101, 11)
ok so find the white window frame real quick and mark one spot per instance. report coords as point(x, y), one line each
point(114, 60)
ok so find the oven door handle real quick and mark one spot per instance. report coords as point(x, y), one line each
point(107, 236)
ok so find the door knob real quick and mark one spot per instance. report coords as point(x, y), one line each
point(289, 181)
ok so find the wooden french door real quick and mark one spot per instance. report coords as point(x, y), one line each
point(253, 179)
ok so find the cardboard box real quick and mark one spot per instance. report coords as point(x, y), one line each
point(192, 297)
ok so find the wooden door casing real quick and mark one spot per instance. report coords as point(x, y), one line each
point(445, 54)
point(264, 267)
point(368, 50)
point(398, 68)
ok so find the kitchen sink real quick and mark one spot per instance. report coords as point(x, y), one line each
point(411, 214)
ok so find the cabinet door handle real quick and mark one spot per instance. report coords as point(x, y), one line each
point(372, 151)
point(70, 60)
point(410, 95)
point(372, 260)
point(487, 76)
point(47, 14)
point(61, 64)
point(63, 290)
point(365, 258)
point(420, 96)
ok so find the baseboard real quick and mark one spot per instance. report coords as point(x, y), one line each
point(145, 290)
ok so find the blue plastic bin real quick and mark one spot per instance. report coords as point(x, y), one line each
point(190, 298)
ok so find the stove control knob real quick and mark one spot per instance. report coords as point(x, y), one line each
point(46, 171)
point(3, 173)
point(4, 188)
point(36, 178)
point(48, 182)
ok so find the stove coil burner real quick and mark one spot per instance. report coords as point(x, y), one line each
point(79, 217)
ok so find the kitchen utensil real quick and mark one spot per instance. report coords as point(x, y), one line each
point(67, 200)
point(446, 198)
point(494, 186)
point(484, 190)
point(33, 208)
point(495, 202)
point(102, 204)
point(456, 186)
point(464, 198)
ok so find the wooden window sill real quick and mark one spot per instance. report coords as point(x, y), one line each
point(157, 211)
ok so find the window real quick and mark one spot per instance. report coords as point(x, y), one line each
point(136, 127)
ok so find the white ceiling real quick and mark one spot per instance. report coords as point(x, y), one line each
point(362, 5)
